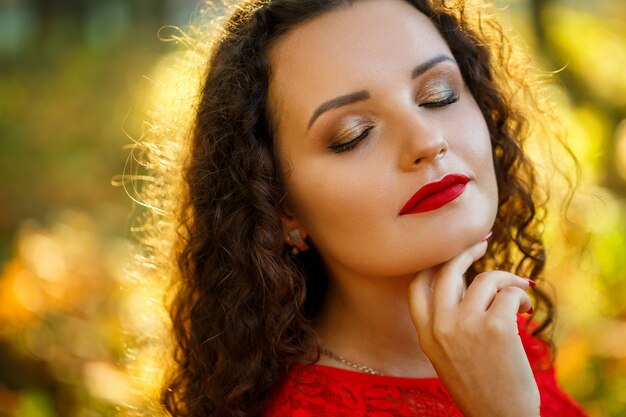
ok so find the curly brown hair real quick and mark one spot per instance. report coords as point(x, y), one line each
point(242, 305)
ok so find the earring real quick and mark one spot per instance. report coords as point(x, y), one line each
point(295, 238)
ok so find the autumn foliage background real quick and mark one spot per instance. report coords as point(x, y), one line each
point(77, 79)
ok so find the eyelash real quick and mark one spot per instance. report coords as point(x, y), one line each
point(452, 98)
point(347, 146)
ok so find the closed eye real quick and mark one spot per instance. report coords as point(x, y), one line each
point(351, 144)
point(451, 98)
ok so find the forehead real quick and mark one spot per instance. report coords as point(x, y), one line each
point(362, 46)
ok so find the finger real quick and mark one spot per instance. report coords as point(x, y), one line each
point(420, 297)
point(510, 301)
point(449, 283)
point(481, 293)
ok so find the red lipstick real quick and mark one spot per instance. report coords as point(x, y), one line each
point(436, 194)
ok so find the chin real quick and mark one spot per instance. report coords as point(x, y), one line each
point(449, 245)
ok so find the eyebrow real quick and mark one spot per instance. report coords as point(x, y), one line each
point(423, 67)
point(339, 101)
point(364, 94)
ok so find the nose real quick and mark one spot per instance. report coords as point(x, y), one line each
point(422, 142)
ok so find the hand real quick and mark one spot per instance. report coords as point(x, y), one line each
point(472, 338)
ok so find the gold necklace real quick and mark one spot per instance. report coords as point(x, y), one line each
point(356, 365)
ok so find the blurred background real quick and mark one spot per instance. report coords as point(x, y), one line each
point(77, 79)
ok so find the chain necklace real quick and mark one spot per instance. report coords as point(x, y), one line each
point(356, 365)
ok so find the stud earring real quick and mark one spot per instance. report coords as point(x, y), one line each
point(295, 238)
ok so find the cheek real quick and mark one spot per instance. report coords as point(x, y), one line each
point(337, 201)
point(348, 207)
point(470, 122)
point(474, 146)
point(480, 159)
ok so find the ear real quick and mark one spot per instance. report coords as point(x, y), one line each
point(294, 232)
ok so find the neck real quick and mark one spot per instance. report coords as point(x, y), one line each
point(367, 320)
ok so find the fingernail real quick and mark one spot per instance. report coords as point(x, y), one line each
point(530, 311)
point(530, 281)
point(488, 235)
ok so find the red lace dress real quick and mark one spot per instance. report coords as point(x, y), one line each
point(323, 391)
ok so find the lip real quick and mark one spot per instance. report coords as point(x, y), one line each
point(436, 194)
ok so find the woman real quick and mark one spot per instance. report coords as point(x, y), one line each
point(361, 224)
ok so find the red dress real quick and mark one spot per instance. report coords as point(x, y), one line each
point(323, 391)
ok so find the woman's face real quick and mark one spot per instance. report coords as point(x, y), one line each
point(369, 107)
